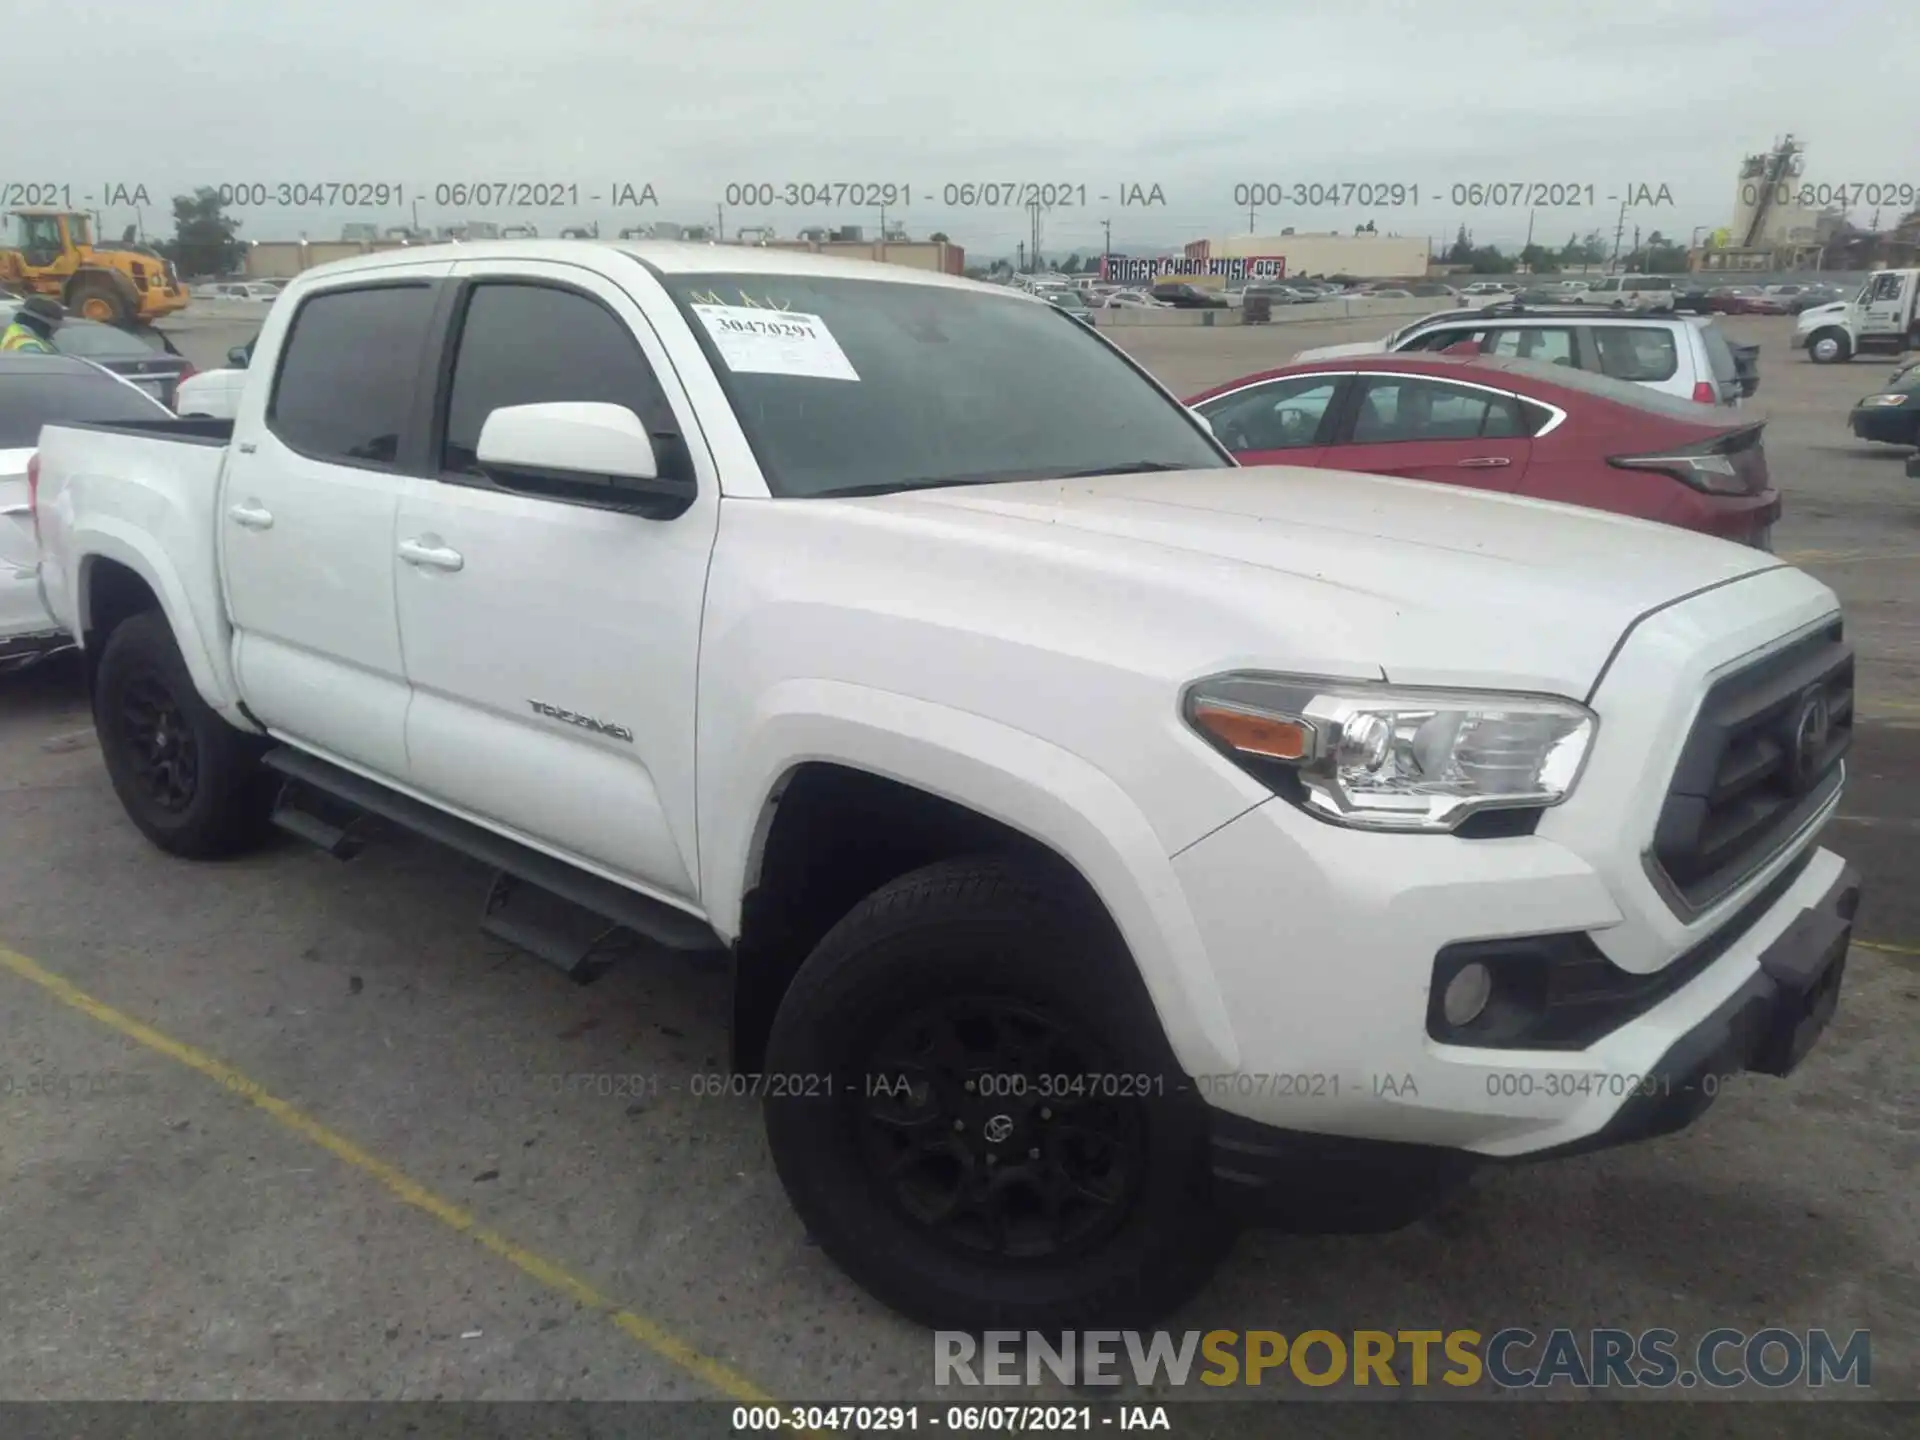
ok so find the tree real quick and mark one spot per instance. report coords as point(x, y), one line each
point(205, 238)
point(1540, 260)
point(1071, 265)
point(1461, 251)
point(940, 236)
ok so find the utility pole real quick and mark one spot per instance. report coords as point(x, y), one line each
point(719, 224)
point(1529, 244)
point(1250, 229)
point(1619, 230)
point(1033, 210)
point(1106, 249)
point(1020, 250)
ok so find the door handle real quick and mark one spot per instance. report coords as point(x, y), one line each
point(251, 516)
point(1483, 462)
point(432, 557)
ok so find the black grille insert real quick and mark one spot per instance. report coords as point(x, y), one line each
point(1763, 758)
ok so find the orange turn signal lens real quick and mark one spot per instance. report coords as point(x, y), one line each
point(1253, 733)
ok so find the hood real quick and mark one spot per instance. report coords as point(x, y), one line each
point(1813, 314)
point(1327, 572)
point(1335, 352)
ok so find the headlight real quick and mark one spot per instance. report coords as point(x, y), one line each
point(1384, 757)
point(1878, 401)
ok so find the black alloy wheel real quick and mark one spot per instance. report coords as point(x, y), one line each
point(977, 1122)
point(159, 742)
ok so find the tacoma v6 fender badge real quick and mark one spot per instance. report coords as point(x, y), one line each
point(585, 722)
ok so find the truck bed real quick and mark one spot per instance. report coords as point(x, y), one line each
point(142, 495)
point(188, 430)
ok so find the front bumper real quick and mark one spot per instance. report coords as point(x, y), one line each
point(1887, 425)
point(1322, 942)
point(1265, 1173)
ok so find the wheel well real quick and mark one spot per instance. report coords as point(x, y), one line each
point(113, 593)
point(836, 835)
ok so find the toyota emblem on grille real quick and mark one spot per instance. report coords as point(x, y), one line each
point(999, 1128)
point(1812, 730)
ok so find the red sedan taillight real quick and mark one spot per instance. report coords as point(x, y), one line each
point(1731, 463)
point(1705, 394)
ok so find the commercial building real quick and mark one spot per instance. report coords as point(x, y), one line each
point(1365, 257)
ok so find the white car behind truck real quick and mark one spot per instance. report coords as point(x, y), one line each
point(1883, 319)
point(1110, 844)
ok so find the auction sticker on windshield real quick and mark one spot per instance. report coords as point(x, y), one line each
point(775, 342)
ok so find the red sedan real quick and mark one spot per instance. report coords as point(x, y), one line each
point(1518, 427)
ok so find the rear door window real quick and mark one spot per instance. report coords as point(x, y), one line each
point(1549, 344)
point(345, 387)
point(1645, 354)
point(1435, 340)
point(1393, 408)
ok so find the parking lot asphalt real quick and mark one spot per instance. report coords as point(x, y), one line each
point(292, 1128)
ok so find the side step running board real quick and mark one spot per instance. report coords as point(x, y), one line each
point(535, 924)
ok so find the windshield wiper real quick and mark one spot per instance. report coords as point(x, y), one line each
point(922, 482)
point(1133, 467)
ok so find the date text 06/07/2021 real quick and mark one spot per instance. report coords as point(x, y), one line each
point(319, 193)
point(1459, 195)
point(959, 1419)
point(1060, 194)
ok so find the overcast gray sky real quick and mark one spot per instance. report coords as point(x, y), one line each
point(1197, 98)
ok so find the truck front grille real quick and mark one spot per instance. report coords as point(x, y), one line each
point(1764, 756)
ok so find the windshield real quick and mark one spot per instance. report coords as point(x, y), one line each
point(848, 386)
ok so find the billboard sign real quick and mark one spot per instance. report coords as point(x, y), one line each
point(1128, 269)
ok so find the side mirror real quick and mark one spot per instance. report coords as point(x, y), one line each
point(585, 451)
point(237, 357)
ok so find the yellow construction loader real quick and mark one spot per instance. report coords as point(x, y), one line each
point(53, 252)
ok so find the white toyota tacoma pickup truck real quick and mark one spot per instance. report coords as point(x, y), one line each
point(1109, 843)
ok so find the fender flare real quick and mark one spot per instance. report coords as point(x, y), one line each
point(1016, 778)
point(201, 637)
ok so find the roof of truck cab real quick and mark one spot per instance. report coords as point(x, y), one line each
point(665, 257)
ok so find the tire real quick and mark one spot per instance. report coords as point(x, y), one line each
point(1829, 347)
point(991, 946)
point(192, 783)
point(97, 299)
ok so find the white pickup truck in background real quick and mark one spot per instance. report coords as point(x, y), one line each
point(1110, 844)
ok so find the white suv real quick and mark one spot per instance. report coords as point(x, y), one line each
point(1631, 292)
point(1681, 355)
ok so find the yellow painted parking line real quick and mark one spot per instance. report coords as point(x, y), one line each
point(1885, 949)
point(650, 1333)
point(1870, 704)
